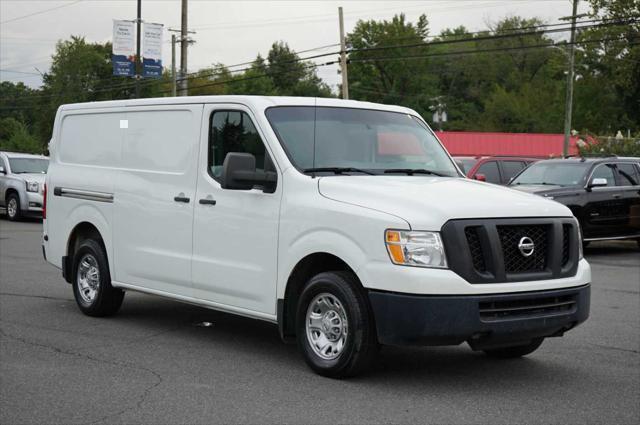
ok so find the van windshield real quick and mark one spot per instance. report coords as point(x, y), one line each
point(358, 140)
point(28, 165)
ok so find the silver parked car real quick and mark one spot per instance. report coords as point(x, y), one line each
point(22, 183)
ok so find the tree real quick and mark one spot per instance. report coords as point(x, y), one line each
point(15, 137)
point(607, 92)
point(383, 75)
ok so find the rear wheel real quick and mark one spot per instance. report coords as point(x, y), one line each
point(335, 330)
point(13, 207)
point(92, 282)
point(516, 350)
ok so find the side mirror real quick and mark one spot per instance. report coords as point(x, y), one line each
point(239, 173)
point(2, 170)
point(480, 177)
point(598, 182)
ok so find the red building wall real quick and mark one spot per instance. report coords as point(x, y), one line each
point(468, 143)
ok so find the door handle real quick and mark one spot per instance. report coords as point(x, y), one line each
point(616, 196)
point(207, 201)
point(181, 199)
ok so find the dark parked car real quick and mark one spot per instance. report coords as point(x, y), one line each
point(603, 193)
point(492, 169)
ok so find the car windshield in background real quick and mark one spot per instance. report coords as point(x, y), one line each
point(348, 140)
point(28, 165)
point(552, 173)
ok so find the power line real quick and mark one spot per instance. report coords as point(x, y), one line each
point(485, 38)
point(40, 12)
point(129, 85)
point(476, 51)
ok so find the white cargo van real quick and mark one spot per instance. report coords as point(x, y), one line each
point(346, 223)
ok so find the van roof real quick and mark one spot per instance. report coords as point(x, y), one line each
point(258, 102)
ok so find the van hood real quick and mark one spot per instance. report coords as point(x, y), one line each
point(426, 203)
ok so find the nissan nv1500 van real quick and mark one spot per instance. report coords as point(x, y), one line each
point(345, 223)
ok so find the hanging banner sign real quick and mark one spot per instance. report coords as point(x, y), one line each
point(123, 53)
point(152, 50)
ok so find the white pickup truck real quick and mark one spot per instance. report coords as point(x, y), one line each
point(345, 223)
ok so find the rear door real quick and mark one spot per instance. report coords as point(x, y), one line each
point(235, 234)
point(154, 197)
point(629, 185)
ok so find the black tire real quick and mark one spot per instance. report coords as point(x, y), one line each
point(516, 350)
point(106, 299)
point(14, 213)
point(360, 345)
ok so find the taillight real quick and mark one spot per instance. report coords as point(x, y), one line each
point(44, 203)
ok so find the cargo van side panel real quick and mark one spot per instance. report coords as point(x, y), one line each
point(154, 197)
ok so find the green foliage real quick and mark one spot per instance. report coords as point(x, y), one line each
point(511, 82)
point(284, 74)
point(15, 137)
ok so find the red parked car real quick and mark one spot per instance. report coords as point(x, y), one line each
point(493, 169)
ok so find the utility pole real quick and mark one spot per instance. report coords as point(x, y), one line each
point(174, 74)
point(138, 59)
point(174, 78)
point(569, 95)
point(184, 34)
point(343, 58)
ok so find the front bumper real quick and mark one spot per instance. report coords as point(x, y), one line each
point(32, 203)
point(483, 321)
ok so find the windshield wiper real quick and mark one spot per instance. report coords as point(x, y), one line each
point(337, 170)
point(412, 171)
point(541, 184)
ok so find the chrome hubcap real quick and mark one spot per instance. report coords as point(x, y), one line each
point(12, 207)
point(88, 278)
point(327, 326)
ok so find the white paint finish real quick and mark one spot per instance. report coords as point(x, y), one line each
point(429, 202)
point(153, 232)
point(124, 124)
point(235, 242)
point(385, 276)
point(238, 255)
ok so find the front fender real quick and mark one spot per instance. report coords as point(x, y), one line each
point(321, 240)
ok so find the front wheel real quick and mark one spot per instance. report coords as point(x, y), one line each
point(515, 351)
point(335, 329)
point(92, 281)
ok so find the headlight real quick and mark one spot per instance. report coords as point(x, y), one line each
point(580, 248)
point(410, 248)
point(32, 186)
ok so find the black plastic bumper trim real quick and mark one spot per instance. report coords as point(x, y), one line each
point(403, 319)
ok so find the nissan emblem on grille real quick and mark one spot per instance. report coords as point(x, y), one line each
point(526, 246)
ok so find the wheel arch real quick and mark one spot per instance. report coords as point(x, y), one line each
point(81, 231)
point(305, 268)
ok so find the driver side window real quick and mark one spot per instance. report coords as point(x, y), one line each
point(605, 171)
point(232, 131)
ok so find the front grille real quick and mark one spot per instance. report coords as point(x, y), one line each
point(489, 250)
point(473, 239)
point(514, 260)
point(566, 242)
point(534, 307)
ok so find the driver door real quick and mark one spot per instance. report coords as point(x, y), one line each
point(235, 232)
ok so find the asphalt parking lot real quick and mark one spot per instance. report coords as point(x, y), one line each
point(157, 362)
